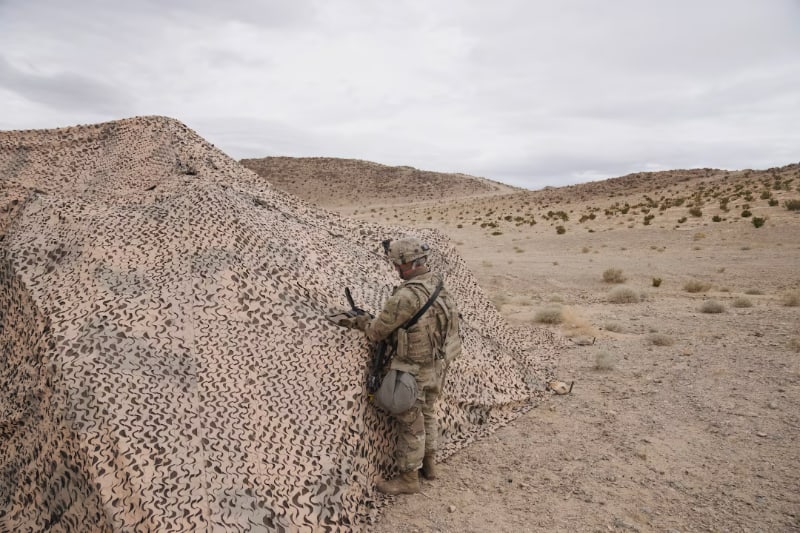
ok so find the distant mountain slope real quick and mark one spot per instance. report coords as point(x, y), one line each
point(401, 195)
point(332, 182)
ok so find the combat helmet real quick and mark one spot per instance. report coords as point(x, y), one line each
point(405, 250)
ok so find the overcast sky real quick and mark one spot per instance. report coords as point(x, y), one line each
point(527, 92)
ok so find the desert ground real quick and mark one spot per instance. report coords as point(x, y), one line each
point(678, 295)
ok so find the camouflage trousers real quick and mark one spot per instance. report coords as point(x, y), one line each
point(419, 427)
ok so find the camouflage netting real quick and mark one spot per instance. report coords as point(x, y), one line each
point(165, 365)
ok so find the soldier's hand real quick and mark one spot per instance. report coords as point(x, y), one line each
point(362, 321)
point(349, 319)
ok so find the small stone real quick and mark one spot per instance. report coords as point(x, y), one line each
point(451, 509)
point(760, 434)
point(773, 404)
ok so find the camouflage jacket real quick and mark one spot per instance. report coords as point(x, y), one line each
point(435, 335)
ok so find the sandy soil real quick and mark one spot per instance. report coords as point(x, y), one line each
point(679, 419)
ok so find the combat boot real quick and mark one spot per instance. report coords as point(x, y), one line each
point(405, 483)
point(429, 466)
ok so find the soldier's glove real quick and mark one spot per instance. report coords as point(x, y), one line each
point(349, 319)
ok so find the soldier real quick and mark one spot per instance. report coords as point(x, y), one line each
point(432, 344)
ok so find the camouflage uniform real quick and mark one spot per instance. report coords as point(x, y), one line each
point(426, 357)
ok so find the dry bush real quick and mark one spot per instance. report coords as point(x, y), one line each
point(574, 324)
point(613, 275)
point(742, 302)
point(660, 339)
point(552, 314)
point(603, 361)
point(792, 205)
point(794, 344)
point(499, 300)
point(754, 292)
point(712, 306)
point(791, 299)
point(623, 295)
point(616, 327)
point(656, 282)
point(696, 286)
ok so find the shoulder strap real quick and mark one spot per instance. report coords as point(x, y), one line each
point(413, 320)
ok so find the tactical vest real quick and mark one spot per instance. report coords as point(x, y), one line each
point(436, 333)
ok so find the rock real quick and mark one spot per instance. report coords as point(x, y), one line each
point(761, 434)
point(451, 508)
point(773, 404)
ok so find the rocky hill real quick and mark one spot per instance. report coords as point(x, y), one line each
point(332, 183)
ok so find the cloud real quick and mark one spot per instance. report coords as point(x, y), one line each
point(62, 90)
point(516, 90)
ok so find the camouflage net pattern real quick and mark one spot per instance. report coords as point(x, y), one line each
point(165, 362)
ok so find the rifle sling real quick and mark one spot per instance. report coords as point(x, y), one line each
point(413, 320)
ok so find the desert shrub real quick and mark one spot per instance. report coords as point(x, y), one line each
point(656, 282)
point(773, 202)
point(716, 218)
point(754, 292)
point(696, 212)
point(758, 221)
point(497, 232)
point(499, 300)
point(712, 306)
point(585, 250)
point(741, 302)
point(659, 339)
point(681, 220)
point(623, 295)
point(613, 275)
point(603, 361)
point(746, 213)
point(792, 205)
point(791, 299)
point(616, 327)
point(522, 300)
point(698, 236)
point(561, 230)
point(552, 314)
point(696, 286)
point(794, 344)
point(766, 195)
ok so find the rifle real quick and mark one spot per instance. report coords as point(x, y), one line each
point(381, 353)
point(356, 310)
